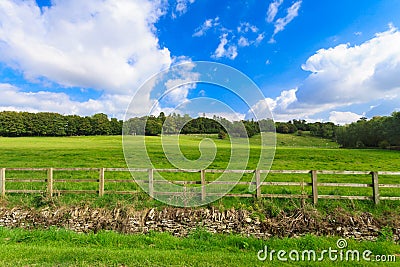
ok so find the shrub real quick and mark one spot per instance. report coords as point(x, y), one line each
point(221, 135)
point(384, 144)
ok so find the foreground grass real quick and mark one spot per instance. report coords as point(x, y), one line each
point(57, 247)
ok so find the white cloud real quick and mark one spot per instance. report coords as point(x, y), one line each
point(243, 41)
point(342, 76)
point(259, 38)
point(280, 24)
point(228, 47)
point(176, 84)
point(182, 6)
point(347, 74)
point(207, 24)
point(97, 44)
point(230, 116)
point(278, 106)
point(224, 49)
point(342, 118)
point(104, 45)
point(14, 99)
point(285, 99)
point(177, 93)
point(273, 10)
point(246, 27)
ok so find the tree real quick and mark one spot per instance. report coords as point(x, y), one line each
point(73, 124)
point(11, 124)
point(116, 126)
point(161, 118)
point(153, 126)
point(85, 126)
point(100, 124)
point(282, 128)
point(267, 125)
point(285, 127)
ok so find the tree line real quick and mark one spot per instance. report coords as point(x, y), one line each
point(176, 123)
point(13, 124)
point(380, 131)
point(319, 129)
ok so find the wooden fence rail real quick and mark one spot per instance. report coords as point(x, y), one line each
point(314, 183)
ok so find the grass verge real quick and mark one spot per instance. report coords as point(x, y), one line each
point(58, 247)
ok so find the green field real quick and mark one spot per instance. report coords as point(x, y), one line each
point(63, 248)
point(292, 153)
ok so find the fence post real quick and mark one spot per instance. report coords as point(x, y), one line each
point(375, 187)
point(303, 200)
point(3, 182)
point(151, 183)
point(314, 186)
point(258, 184)
point(50, 182)
point(101, 182)
point(203, 184)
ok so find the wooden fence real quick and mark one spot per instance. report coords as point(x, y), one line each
point(314, 183)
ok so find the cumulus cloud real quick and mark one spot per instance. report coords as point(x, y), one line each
point(104, 45)
point(342, 118)
point(280, 107)
point(273, 10)
point(285, 108)
point(98, 44)
point(224, 49)
point(14, 99)
point(342, 76)
point(167, 91)
point(354, 74)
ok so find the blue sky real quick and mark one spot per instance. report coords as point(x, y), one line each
point(315, 60)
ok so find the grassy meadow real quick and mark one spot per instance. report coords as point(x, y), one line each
point(293, 152)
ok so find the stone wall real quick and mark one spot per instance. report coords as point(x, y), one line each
point(180, 221)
